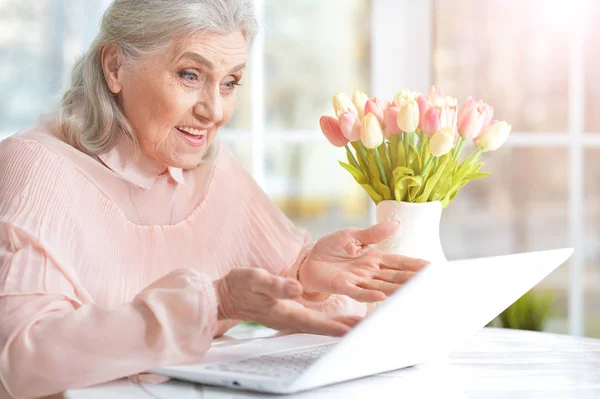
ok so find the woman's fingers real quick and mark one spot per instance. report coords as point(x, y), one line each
point(361, 294)
point(379, 285)
point(401, 262)
point(394, 276)
point(376, 233)
point(350, 321)
point(287, 316)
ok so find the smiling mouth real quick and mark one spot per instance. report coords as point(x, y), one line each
point(192, 136)
point(191, 131)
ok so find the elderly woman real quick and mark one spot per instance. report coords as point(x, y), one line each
point(129, 237)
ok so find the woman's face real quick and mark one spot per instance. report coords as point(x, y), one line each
point(176, 100)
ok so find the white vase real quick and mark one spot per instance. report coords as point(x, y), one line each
point(418, 235)
point(419, 232)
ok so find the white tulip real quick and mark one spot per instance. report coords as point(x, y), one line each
point(493, 137)
point(441, 142)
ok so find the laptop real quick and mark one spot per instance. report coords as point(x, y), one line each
point(429, 317)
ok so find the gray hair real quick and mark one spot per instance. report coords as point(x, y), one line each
point(90, 117)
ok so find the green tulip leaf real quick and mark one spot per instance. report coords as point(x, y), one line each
point(360, 156)
point(357, 174)
point(413, 160)
point(372, 193)
point(444, 186)
point(399, 192)
point(431, 182)
point(402, 155)
point(477, 176)
point(351, 160)
point(387, 167)
point(477, 167)
point(400, 171)
point(376, 183)
point(405, 185)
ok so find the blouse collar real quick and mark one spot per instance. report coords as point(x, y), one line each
point(136, 168)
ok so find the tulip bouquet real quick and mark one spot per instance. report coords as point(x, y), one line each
point(410, 150)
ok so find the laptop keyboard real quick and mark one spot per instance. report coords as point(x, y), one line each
point(276, 365)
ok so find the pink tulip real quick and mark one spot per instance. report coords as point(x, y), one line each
point(373, 106)
point(473, 116)
point(423, 106)
point(390, 115)
point(469, 105)
point(489, 112)
point(350, 126)
point(431, 121)
point(440, 112)
point(435, 96)
point(331, 129)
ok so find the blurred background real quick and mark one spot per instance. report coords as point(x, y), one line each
point(533, 60)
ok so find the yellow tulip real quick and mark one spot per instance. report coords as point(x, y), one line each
point(408, 115)
point(342, 103)
point(360, 99)
point(371, 133)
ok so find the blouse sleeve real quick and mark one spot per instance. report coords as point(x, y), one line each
point(52, 338)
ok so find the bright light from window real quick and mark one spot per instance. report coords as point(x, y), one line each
point(561, 15)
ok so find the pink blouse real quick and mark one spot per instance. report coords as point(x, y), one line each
point(107, 264)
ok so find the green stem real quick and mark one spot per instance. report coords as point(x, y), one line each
point(474, 155)
point(477, 155)
point(405, 139)
point(353, 159)
point(421, 144)
point(388, 145)
point(471, 153)
point(458, 148)
point(380, 167)
point(394, 139)
point(426, 168)
point(363, 150)
point(425, 151)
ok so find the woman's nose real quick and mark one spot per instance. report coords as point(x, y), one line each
point(210, 106)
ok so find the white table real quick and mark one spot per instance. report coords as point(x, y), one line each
point(495, 363)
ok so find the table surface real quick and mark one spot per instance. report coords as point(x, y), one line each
point(494, 363)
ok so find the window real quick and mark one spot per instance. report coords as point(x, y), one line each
point(523, 58)
point(35, 65)
point(298, 63)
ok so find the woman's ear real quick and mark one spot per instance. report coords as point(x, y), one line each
point(111, 65)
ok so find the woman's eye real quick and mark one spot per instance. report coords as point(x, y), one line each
point(189, 76)
point(230, 85)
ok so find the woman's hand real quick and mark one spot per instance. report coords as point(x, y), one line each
point(258, 296)
point(343, 263)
